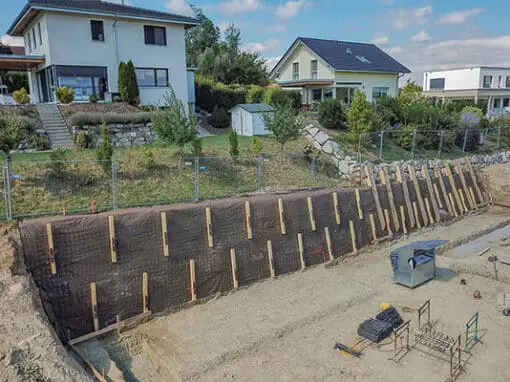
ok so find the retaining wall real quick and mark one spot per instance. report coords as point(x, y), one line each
point(83, 252)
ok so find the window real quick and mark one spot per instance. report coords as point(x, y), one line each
point(317, 95)
point(497, 103)
point(40, 34)
point(97, 30)
point(345, 94)
point(500, 81)
point(149, 77)
point(379, 92)
point(315, 68)
point(84, 80)
point(363, 59)
point(506, 102)
point(437, 83)
point(154, 35)
point(28, 45)
point(33, 35)
point(295, 71)
point(507, 85)
point(487, 81)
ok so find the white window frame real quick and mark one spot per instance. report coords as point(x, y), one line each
point(295, 71)
point(490, 82)
point(382, 91)
point(314, 72)
point(40, 33)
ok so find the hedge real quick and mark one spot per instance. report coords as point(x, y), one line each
point(95, 119)
point(210, 94)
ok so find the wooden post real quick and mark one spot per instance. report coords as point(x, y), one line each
point(472, 194)
point(421, 204)
point(429, 211)
point(452, 202)
point(247, 212)
point(282, 217)
point(426, 175)
point(310, 214)
point(358, 203)
point(145, 292)
point(416, 215)
point(193, 280)
point(463, 200)
point(93, 300)
point(164, 232)
point(455, 191)
point(271, 259)
point(113, 240)
point(385, 181)
point(375, 193)
point(447, 201)
point(117, 318)
point(475, 182)
point(402, 179)
point(374, 229)
point(458, 170)
point(403, 217)
point(328, 243)
point(388, 222)
point(335, 208)
point(438, 196)
point(208, 225)
point(233, 261)
point(353, 236)
point(301, 250)
point(51, 249)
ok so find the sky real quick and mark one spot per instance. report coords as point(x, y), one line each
point(422, 35)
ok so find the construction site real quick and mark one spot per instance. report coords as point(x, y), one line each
point(403, 276)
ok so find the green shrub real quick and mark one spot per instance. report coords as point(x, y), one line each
point(331, 114)
point(148, 158)
point(41, 142)
point(219, 118)
point(21, 96)
point(360, 114)
point(58, 164)
point(255, 94)
point(93, 98)
point(472, 139)
point(84, 140)
point(210, 94)
point(472, 110)
point(196, 147)
point(127, 83)
point(26, 123)
point(10, 134)
point(234, 144)
point(403, 137)
point(104, 152)
point(256, 145)
point(65, 95)
point(95, 119)
point(277, 97)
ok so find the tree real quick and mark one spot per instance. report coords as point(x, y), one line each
point(173, 124)
point(127, 83)
point(360, 114)
point(411, 88)
point(10, 134)
point(104, 152)
point(331, 114)
point(234, 144)
point(284, 125)
point(198, 39)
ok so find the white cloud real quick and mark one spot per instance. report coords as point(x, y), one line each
point(261, 47)
point(289, 9)
point(275, 28)
point(13, 41)
point(459, 17)
point(380, 40)
point(396, 50)
point(401, 18)
point(421, 36)
point(272, 61)
point(223, 27)
point(240, 6)
point(180, 7)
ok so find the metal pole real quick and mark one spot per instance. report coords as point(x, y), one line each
point(465, 140)
point(260, 164)
point(381, 144)
point(499, 137)
point(441, 136)
point(8, 178)
point(114, 184)
point(197, 180)
point(359, 148)
point(414, 143)
point(6, 195)
point(312, 173)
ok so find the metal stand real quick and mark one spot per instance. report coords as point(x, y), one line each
point(472, 336)
point(401, 341)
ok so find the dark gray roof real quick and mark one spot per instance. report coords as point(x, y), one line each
point(98, 6)
point(353, 56)
point(255, 107)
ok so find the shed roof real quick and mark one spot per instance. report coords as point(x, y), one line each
point(254, 107)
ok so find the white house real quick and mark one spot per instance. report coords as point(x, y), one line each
point(80, 44)
point(491, 84)
point(328, 68)
point(248, 119)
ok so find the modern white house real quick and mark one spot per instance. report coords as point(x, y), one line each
point(80, 43)
point(491, 84)
point(335, 69)
point(248, 119)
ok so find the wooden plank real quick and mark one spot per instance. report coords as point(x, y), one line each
point(233, 262)
point(475, 181)
point(374, 229)
point(455, 191)
point(145, 292)
point(403, 217)
point(353, 237)
point(328, 243)
point(429, 211)
point(417, 190)
point(301, 250)
point(247, 213)
point(452, 202)
point(193, 280)
point(442, 185)
point(435, 207)
point(282, 216)
point(391, 198)
point(310, 214)
point(358, 204)
point(472, 194)
point(93, 300)
point(51, 249)
point(271, 259)
point(402, 179)
point(375, 194)
point(438, 196)
point(458, 170)
point(164, 233)
point(388, 222)
point(336, 208)
point(113, 240)
point(416, 215)
point(208, 226)
point(463, 200)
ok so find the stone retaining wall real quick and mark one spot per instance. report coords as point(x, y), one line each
point(122, 135)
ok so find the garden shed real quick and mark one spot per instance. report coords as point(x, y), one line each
point(248, 119)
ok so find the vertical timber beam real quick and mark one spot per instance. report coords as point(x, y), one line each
point(426, 175)
point(358, 203)
point(113, 240)
point(336, 209)
point(375, 193)
point(271, 259)
point(438, 196)
point(458, 170)
point(386, 182)
point(374, 229)
point(247, 212)
point(416, 215)
point(388, 222)
point(421, 204)
point(233, 262)
point(282, 216)
point(453, 187)
point(401, 178)
point(403, 217)
point(328, 243)
point(93, 300)
point(145, 292)
point(353, 237)
point(310, 214)
point(208, 226)
point(475, 182)
point(51, 249)
point(193, 280)
point(442, 185)
point(429, 211)
point(164, 233)
point(301, 250)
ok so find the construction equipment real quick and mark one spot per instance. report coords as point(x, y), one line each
point(347, 349)
point(375, 330)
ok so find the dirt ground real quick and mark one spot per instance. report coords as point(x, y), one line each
point(285, 329)
point(496, 176)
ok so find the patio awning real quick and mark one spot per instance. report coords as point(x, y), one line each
point(304, 83)
point(20, 62)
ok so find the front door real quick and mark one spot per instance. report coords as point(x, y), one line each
point(43, 86)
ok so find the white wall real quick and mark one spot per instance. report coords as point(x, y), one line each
point(304, 56)
point(368, 82)
point(495, 73)
point(460, 79)
point(191, 86)
point(71, 44)
point(259, 124)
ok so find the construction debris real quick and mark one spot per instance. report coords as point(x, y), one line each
point(391, 316)
point(375, 330)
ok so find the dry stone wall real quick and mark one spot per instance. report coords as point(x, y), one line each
point(122, 135)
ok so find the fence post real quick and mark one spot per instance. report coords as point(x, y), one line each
point(312, 173)
point(441, 136)
point(499, 137)
point(465, 140)
point(7, 191)
point(114, 184)
point(381, 144)
point(260, 164)
point(414, 143)
point(359, 147)
point(196, 182)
